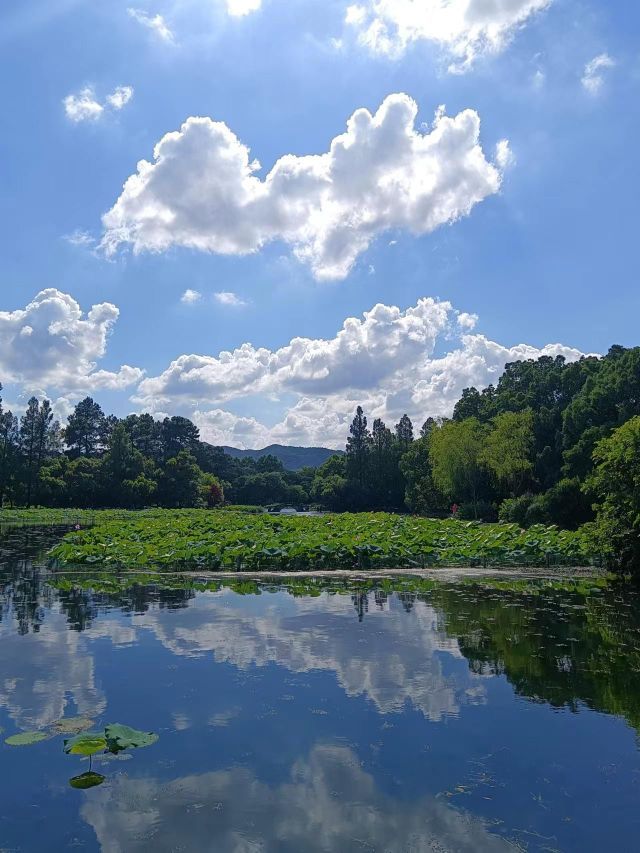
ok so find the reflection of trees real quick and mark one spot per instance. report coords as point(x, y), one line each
point(23, 592)
point(28, 588)
point(361, 604)
point(562, 645)
point(82, 605)
point(553, 645)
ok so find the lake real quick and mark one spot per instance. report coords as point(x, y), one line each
point(391, 716)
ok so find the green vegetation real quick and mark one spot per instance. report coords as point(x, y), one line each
point(533, 450)
point(26, 738)
point(86, 743)
point(114, 739)
point(216, 540)
point(87, 780)
point(120, 737)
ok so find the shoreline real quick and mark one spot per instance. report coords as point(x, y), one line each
point(449, 573)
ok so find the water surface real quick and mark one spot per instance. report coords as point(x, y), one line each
point(407, 716)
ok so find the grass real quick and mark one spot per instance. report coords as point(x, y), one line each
point(202, 539)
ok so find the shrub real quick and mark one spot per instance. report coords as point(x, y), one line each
point(479, 511)
point(514, 510)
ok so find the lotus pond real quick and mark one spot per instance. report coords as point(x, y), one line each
point(240, 541)
point(145, 711)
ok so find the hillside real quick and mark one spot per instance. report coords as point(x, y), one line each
point(293, 458)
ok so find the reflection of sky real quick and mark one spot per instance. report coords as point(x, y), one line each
point(328, 803)
point(314, 730)
point(393, 657)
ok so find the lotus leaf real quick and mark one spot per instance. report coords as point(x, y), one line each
point(86, 780)
point(87, 743)
point(175, 539)
point(26, 738)
point(121, 737)
point(71, 725)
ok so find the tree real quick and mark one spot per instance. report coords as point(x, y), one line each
point(9, 441)
point(508, 450)
point(179, 484)
point(52, 482)
point(358, 449)
point(456, 450)
point(178, 434)
point(330, 483)
point(609, 397)
point(615, 485)
point(37, 435)
point(212, 491)
point(382, 462)
point(84, 482)
point(145, 435)
point(404, 433)
point(421, 495)
point(126, 474)
point(84, 433)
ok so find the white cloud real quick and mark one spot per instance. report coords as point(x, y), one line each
point(120, 97)
point(593, 76)
point(190, 297)
point(504, 155)
point(363, 353)
point(225, 297)
point(467, 321)
point(202, 191)
point(538, 79)
point(384, 361)
point(155, 23)
point(80, 238)
point(465, 29)
point(51, 343)
point(84, 106)
point(219, 427)
point(239, 8)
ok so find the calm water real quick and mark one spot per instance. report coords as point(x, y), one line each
point(457, 717)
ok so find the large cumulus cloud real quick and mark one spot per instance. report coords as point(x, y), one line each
point(202, 190)
point(386, 361)
point(51, 343)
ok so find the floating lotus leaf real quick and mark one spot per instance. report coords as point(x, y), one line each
point(86, 743)
point(26, 738)
point(71, 725)
point(121, 737)
point(86, 780)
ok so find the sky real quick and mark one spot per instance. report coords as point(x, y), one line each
point(261, 213)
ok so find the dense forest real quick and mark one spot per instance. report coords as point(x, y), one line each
point(552, 442)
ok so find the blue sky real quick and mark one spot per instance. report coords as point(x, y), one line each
point(505, 254)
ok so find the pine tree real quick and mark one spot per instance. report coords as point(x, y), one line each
point(404, 432)
point(8, 448)
point(358, 449)
point(29, 431)
point(85, 430)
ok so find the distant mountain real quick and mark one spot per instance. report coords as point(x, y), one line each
point(293, 458)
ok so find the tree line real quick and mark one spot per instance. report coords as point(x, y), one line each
point(551, 442)
point(97, 460)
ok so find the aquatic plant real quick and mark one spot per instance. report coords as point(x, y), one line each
point(212, 540)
